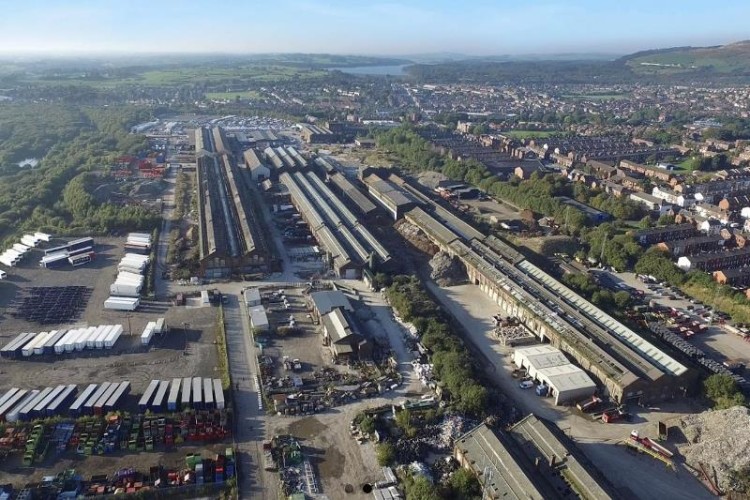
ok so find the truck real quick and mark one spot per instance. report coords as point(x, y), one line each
point(616, 415)
point(589, 405)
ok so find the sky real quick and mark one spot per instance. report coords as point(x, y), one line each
point(472, 27)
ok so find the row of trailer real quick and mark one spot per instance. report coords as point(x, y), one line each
point(138, 243)
point(12, 256)
point(183, 393)
point(58, 342)
point(126, 290)
point(75, 253)
point(63, 400)
point(153, 328)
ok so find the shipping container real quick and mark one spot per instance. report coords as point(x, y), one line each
point(40, 410)
point(54, 260)
point(12, 414)
point(187, 385)
point(76, 409)
point(197, 393)
point(122, 290)
point(157, 405)
point(161, 326)
point(28, 349)
point(27, 412)
point(204, 297)
point(49, 346)
point(208, 393)
point(88, 406)
point(120, 392)
point(148, 395)
point(7, 395)
point(174, 392)
point(99, 403)
point(101, 335)
point(13, 348)
point(39, 342)
point(60, 402)
point(113, 336)
point(92, 335)
point(11, 402)
point(218, 394)
point(148, 333)
point(121, 303)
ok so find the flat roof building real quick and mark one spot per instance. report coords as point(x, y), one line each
point(547, 364)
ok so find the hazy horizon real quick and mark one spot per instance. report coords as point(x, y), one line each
point(44, 28)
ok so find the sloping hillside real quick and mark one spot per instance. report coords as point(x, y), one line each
point(728, 59)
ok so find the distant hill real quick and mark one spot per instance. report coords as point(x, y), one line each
point(731, 59)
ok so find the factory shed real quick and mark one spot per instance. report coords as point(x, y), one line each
point(548, 365)
point(481, 451)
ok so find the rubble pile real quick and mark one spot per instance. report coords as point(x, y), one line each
point(510, 335)
point(719, 440)
point(416, 237)
point(447, 270)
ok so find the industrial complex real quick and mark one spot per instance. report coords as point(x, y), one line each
point(627, 365)
point(231, 236)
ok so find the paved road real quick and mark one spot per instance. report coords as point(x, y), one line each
point(161, 286)
point(254, 482)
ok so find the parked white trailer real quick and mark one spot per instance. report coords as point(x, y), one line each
point(42, 236)
point(29, 240)
point(39, 342)
point(161, 326)
point(124, 290)
point(91, 336)
point(112, 336)
point(122, 303)
point(70, 341)
point(83, 341)
point(21, 248)
point(100, 336)
point(28, 349)
point(148, 333)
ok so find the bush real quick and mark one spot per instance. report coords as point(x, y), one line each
point(386, 454)
point(464, 485)
point(723, 391)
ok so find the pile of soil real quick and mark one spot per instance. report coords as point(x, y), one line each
point(447, 270)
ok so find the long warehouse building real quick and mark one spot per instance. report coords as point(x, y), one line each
point(628, 365)
point(342, 261)
point(232, 239)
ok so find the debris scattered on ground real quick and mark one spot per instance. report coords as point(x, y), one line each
point(431, 178)
point(719, 440)
point(447, 270)
point(416, 237)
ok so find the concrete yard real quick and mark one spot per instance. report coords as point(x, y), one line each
point(599, 442)
point(188, 349)
point(716, 341)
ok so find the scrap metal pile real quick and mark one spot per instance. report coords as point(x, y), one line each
point(51, 305)
point(718, 443)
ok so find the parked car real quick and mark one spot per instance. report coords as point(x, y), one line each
point(526, 384)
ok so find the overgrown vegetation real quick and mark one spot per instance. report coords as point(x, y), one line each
point(452, 362)
point(221, 347)
point(723, 392)
point(55, 196)
point(539, 194)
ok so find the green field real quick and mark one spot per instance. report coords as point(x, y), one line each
point(242, 94)
point(205, 74)
point(726, 59)
point(530, 134)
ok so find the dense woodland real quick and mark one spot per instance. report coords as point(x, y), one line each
point(74, 144)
